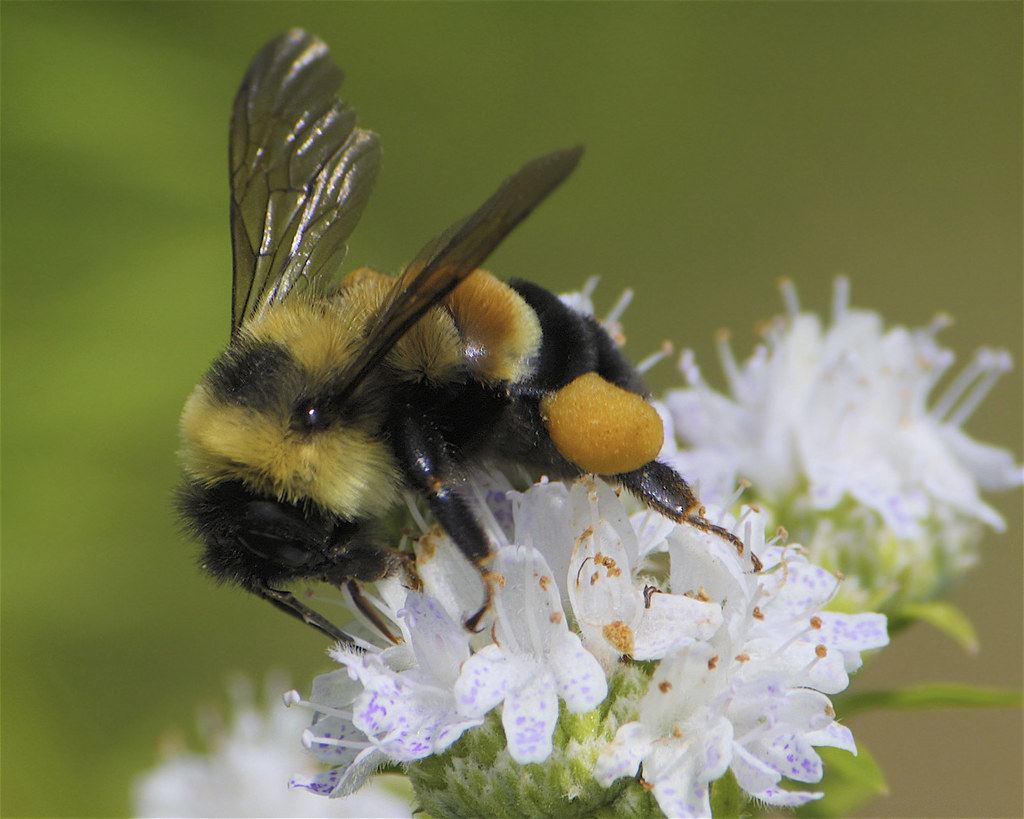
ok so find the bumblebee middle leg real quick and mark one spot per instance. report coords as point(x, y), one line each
point(428, 465)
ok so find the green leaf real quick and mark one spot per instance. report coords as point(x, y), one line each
point(932, 695)
point(849, 781)
point(947, 618)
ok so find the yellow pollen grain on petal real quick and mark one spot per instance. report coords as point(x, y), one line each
point(821, 651)
point(621, 636)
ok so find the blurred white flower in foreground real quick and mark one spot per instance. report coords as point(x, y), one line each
point(244, 769)
point(740, 665)
point(834, 428)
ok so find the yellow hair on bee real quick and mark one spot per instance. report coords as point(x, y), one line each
point(322, 336)
point(430, 351)
point(343, 470)
point(500, 331)
point(602, 428)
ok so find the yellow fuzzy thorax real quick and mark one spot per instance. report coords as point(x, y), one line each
point(483, 330)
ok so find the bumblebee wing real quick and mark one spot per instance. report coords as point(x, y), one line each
point(301, 174)
point(452, 256)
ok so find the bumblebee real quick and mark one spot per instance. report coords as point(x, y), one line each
point(333, 397)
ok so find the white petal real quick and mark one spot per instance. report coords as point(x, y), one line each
point(527, 603)
point(441, 645)
point(625, 753)
point(601, 592)
point(993, 467)
point(322, 782)
point(714, 472)
point(798, 588)
point(651, 531)
point(674, 771)
point(833, 735)
point(782, 798)
point(333, 729)
point(704, 561)
point(800, 664)
point(853, 632)
point(591, 502)
point(448, 576)
point(579, 676)
point(672, 621)
point(682, 683)
point(542, 521)
point(484, 679)
point(335, 688)
point(752, 774)
point(793, 756)
point(529, 718)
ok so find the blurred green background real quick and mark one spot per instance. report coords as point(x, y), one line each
point(727, 146)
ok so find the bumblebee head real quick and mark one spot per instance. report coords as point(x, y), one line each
point(263, 417)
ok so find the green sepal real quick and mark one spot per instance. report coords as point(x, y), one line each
point(727, 798)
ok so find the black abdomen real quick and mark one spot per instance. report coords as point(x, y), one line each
point(573, 344)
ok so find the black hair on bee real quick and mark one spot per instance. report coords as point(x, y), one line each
point(335, 396)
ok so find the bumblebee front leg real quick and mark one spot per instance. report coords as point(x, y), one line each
point(290, 604)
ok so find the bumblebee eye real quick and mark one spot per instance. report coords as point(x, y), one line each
point(311, 416)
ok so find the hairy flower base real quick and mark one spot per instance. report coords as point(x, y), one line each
point(478, 773)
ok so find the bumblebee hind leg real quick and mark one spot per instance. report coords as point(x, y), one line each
point(662, 489)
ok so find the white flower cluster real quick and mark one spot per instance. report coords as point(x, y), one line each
point(834, 429)
point(845, 410)
point(743, 660)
